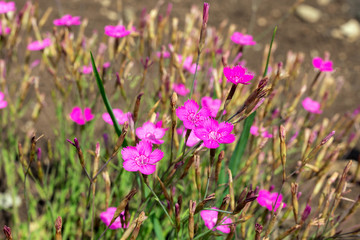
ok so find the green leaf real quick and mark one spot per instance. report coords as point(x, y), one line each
point(158, 229)
point(106, 100)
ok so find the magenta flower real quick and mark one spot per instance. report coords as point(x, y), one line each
point(3, 103)
point(39, 45)
point(67, 20)
point(166, 54)
point(106, 65)
point(242, 39)
point(141, 158)
point(322, 65)
point(180, 89)
point(190, 114)
point(267, 199)
point(86, 69)
point(151, 133)
point(6, 7)
point(213, 105)
point(108, 215)
point(311, 105)
point(213, 133)
point(238, 74)
point(188, 65)
point(118, 31)
point(210, 219)
point(192, 140)
point(254, 130)
point(79, 117)
point(119, 115)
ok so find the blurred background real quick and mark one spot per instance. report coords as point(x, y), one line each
point(313, 27)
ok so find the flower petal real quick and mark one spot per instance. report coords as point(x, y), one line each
point(156, 156)
point(129, 153)
point(147, 169)
point(131, 166)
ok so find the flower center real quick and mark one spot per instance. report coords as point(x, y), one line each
point(150, 135)
point(214, 135)
point(141, 160)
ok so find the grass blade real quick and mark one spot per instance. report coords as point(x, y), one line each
point(105, 99)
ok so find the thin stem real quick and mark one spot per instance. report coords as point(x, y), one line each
point(196, 67)
point(161, 204)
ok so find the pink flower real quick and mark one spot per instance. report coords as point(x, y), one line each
point(254, 130)
point(213, 105)
point(322, 65)
point(6, 7)
point(119, 115)
point(238, 74)
point(166, 54)
point(267, 199)
point(188, 65)
point(106, 65)
point(242, 39)
point(180, 89)
point(192, 140)
point(210, 219)
point(151, 133)
point(77, 115)
point(118, 31)
point(67, 20)
point(190, 114)
point(39, 45)
point(108, 215)
point(3, 103)
point(86, 69)
point(141, 158)
point(311, 105)
point(213, 133)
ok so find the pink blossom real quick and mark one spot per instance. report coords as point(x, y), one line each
point(79, 117)
point(190, 114)
point(311, 105)
point(210, 218)
point(67, 20)
point(151, 133)
point(166, 54)
point(238, 74)
point(213, 133)
point(192, 140)
point(242, 39)
point(106, 65)
point(254, 130)
point(180, 89)
point(108, 215)
point(119, 115)
point(86, 69)
point(188, 65)
point(3, 103)
point(118, 31)
point(141, 158)
point(6, 7)
point(39, 45)
point(322, 65)
point(267, 199)
point(213, 105)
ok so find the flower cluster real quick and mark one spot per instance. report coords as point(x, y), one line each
point(6, 7)
point(322, 65)
point(210, 218)
point(3, 103)
point(108, 215)
point(311, 106)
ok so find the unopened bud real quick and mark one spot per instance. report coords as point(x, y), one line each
point(7, 232)
point(306, 213)
point(327, 138)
